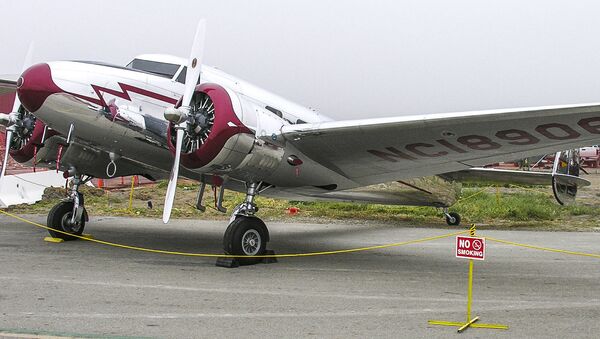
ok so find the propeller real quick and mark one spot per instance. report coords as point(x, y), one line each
point(13, 120)
point(179, 116)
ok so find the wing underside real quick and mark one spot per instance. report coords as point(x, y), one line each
point(502, 176)
point(427, 191)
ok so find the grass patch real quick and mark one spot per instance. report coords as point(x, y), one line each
point(520, 206)
point(509, 206)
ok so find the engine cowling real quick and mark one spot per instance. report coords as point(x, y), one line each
point(27, 137)
point(212, 136)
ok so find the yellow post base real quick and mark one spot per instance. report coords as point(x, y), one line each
point(53, 240)
point(470, 321)
point(464, 326)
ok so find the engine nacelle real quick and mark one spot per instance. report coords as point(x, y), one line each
point(565, 176)
point(215, 137)
point(27, 136)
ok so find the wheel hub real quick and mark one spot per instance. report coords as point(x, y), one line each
point(251, 242)
point(68, 226)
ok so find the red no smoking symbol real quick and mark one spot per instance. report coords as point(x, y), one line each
point(476, 245)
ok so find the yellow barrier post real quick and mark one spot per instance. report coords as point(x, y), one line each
point(497, 195)
point(470, 322)
point(131, 194)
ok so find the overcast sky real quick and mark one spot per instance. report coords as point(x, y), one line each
point(348, 59)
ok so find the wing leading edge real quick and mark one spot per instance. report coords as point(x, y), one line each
point(382, 150)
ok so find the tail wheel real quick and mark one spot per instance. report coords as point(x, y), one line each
point(247, 236)
point(59, 219)
point(453, 219)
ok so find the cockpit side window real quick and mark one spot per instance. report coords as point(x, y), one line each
point(181, 77)
point(159, 68)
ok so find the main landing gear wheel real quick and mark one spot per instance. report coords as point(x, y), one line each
point(59, 218)
point(246, 236)
point(453, 219)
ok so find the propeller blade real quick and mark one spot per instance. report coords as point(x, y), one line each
point(10, 117)
point(170, 196)
point(9, 134)
point(26, 64)
point(194, 66)
point(192, 77)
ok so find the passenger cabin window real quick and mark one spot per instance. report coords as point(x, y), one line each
point(159, 68)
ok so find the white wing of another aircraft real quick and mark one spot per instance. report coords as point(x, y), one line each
point(8, 84)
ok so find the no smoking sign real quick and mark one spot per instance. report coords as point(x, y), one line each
point(470, 247)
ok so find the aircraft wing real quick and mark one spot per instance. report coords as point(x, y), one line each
point(8, 84)
point(382, 150)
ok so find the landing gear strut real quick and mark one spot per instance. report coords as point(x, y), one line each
point(246, 235)
point(452, 218)
point(69, 215)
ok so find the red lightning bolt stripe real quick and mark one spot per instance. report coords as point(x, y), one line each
point(124, 94)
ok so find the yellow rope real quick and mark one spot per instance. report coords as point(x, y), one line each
point(528, 189)
point(583, 254)
point(212, 255)
point(310, 254)
point(471, 196)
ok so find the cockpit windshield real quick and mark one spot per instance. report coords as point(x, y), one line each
point(159, 68)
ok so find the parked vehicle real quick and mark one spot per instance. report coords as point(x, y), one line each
point(590, 156)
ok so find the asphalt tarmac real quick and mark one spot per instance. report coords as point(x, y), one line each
point(86, 289)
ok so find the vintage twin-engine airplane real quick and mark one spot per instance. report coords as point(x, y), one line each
point(91, 119)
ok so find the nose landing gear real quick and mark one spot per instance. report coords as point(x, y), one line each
point(69, 215)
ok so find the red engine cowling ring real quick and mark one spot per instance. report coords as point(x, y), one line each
point(226, 125)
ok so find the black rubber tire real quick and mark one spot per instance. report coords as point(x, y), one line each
point(56, 217)
point(232, 239)
point(456, 217)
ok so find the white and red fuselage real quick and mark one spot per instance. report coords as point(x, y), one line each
point(119, 111)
